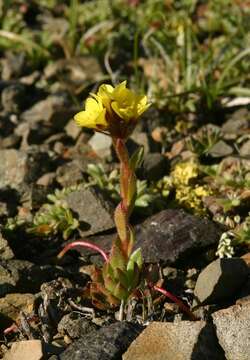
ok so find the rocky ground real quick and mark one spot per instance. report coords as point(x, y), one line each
point(59, 183)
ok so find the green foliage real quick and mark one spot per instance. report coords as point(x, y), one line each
point(185, 53)
point(203, 141)
point(53, 219)
point(237, 235)
point(146, 197)
point(56, 217)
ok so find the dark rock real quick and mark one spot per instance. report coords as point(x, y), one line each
point(94, 212)
point(9, 201)
point(155, 166)
point(7, 125)
point(173, 234)
point(108, 343)
point(183, 340)
point(167, 236)
point(23, 276)
point(35, 196)
point(75, 325)
point(220, 280)
point(40, 163)
point(52, 304)
point(233, 331)
point(13, 98)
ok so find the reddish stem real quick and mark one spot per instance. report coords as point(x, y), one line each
point(85, 244)
point(181, 305)
point(11, 329)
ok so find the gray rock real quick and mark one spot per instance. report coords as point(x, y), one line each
point(171, 234)
point(101, 144)
point(6, 252)
point(13, 98)
point(13, 65)
point(155, 166)
point(184, 340)
point(237, 123)
point(233, 331)
point(49, 109)
point(245, 149)
point(72, 129)
point(94, 212)
point(108, 343)
point(220, 149)
point(12, 304)
point(74, 73)
point(29, 349)
point(23, 276)
point(141, 139)
point(69, 174)
point(55, 111)
point(18, 167)
point(13, 167)
point(220, 280)
point(75, 325)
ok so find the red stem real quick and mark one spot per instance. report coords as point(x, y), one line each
point(85, 244)
point(181, 305)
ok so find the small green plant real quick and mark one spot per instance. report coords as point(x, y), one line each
point(238, 234)
point(55, 217)
point(202, 142)
point(146, 197)
point(115, 111)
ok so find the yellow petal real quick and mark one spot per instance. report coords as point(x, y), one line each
point(94, 115)
point(104, 94)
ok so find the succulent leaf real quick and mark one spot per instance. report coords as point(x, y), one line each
point(136, 159)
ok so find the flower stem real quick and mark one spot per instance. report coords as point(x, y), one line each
point(85, 244)
point(181, 305)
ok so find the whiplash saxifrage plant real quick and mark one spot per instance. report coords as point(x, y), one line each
point(115, 111)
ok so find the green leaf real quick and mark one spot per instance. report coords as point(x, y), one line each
point(122, 277)
point(134, 277)
point(120, 292)
point(136, 159)
point(135, 258)
point(132, 188)
point(117, 258)
point(109, 284)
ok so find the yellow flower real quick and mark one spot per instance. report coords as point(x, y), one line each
point(93, 116)
point(184, 172)
point(113, 109)
point(202, 191)
point(124, 102)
